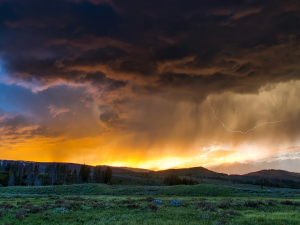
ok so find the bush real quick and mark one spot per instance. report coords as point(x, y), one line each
point(225, 203)
point(45, 206)
point(59, 202)
point(22, 203)
point(21, 214)
point(75, 198)
point(33, 209)
point(91, 201)
point(229, 213)
point(147, 199)
point(205, 216)
point(133, 206)
point(253, 204)
point(272, 202)
point(53, 197)
point(74, 206)
point(210, 207)
point(47, 215)
point(153, 208)
point(201, 203)
point(98, 206)
point(289, 202)
point(222, 222)
point(6, 206)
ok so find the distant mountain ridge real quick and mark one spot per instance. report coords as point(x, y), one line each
point(275, 174)
point(282, 164)
point(193, 171)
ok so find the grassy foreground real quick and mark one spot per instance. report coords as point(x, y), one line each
point(103, 204)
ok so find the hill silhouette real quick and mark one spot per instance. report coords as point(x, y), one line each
point(275, 174)
point(193, 171)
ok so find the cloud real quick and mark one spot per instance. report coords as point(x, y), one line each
point(16, 128)
point(57, 111)
point(17, 124)
point(138, 73)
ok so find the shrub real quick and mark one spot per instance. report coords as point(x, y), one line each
point(289, 202)
point(222, 222)
point(253, 204)
point(75, 198)
point(128, 201)
point(21, 214)
point(6, 206)
point(75, 205)
point(91, 201)
point(23, 203)
point(229, 213)
point(225, 203)
point(272, 202)
point(147, 199)
point(53, 197)
point(47, 214)
point(210, 207)
point(205, 216)
point(33, 209)
point(45, 206)
point(98, 206)
point(286, 202)
point(59, 202)
point(153, 208)
point(201, 204)
point(133, 206)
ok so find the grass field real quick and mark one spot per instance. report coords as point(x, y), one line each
point(123, 204)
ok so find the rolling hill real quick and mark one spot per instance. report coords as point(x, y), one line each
point(275, 174)
point(193, 171)
point(220, 171)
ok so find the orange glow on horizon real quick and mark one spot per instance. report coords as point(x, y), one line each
point(86, 151)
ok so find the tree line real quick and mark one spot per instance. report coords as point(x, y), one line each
point(174, 179)
point(18, 174)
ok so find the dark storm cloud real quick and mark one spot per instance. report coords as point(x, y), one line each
point(107, 115)
point(179, 50)
point(99, 79)
point(53, 39)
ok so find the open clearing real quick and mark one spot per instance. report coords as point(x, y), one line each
point(116, 204)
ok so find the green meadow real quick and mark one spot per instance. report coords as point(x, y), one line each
point(126, 204)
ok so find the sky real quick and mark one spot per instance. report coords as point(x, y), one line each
point(150, 84)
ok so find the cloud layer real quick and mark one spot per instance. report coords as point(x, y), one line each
point(126, 82)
